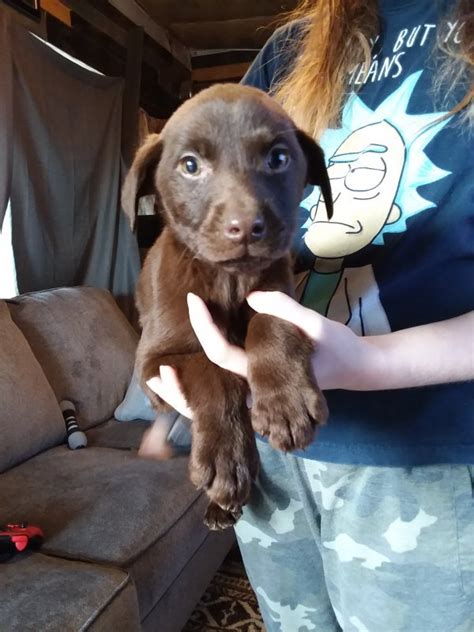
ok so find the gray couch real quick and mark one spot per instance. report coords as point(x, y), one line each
point(125, 546)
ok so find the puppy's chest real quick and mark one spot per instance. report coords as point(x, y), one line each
point(231, 290)
point(227, 303)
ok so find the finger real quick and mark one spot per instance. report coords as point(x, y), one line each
point(167, 387)
point(155, 384)
point(169, 378)
point(171, 385)
point(283, 306)
point(215, 345)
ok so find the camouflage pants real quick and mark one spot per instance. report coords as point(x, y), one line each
point(332, 547)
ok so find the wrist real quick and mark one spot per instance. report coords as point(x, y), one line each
point(374, 363)
point(346, 361)
point(366, 368)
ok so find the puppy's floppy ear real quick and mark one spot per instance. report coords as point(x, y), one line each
point(140, 178)
point(317, 172)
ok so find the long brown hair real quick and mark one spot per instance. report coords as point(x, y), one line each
point(457, 61)
point(337, 35)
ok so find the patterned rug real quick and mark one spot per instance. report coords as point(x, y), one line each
point(229, 603)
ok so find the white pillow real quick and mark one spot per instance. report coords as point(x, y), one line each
point(136, 404)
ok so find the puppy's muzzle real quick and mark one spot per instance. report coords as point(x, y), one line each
point(245, 230)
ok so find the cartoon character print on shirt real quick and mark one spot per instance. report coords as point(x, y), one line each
point(375, 171)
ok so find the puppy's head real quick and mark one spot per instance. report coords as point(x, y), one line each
point(230, 168)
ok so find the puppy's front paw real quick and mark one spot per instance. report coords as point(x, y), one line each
point(288, 411)
point(225, 468)
point(287, 404)
point(217, 518)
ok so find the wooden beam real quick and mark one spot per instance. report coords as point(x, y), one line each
point(170, 74)
point(98, 20)
point(220, 73)
point(173, 11)
point(211, 58)
point(154, 99)
point(138, 16)
point(57, 9)
point(118, 33)
point(131, 94)
point(251, 33)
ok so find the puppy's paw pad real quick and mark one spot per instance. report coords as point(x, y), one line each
point(217, 518)
point(289, 417)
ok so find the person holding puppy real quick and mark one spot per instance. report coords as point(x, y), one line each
point(372, 527)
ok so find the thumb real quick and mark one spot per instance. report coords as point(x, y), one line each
point(283, 306)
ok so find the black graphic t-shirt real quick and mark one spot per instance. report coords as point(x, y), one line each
point(399, 249)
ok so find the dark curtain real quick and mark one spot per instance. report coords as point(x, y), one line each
point(67, 225)
point(5, 115)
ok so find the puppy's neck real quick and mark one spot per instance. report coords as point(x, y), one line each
point(212, 281)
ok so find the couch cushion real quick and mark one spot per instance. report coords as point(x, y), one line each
point(111, 507)
point(49, 594)
point(126, 435)
point(177, 604)
point(113, 434)
point(30, 418)
point(85, 345)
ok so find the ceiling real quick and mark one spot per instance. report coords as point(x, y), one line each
point(223, 36)
point(216, 25)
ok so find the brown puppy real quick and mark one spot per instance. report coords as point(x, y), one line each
point(230, 168)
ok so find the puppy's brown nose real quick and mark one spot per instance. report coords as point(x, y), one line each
point(245, 229)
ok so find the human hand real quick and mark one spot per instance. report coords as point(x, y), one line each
point(167, 386)
point(340, 360)
point(216, 347)
point(435, 353)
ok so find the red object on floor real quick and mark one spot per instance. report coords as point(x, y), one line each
point(15, 538)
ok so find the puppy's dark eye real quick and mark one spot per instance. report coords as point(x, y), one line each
point(278, 158)
point(190, 165)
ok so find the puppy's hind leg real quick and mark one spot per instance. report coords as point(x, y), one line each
point(224, 462)
point(224, 457)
